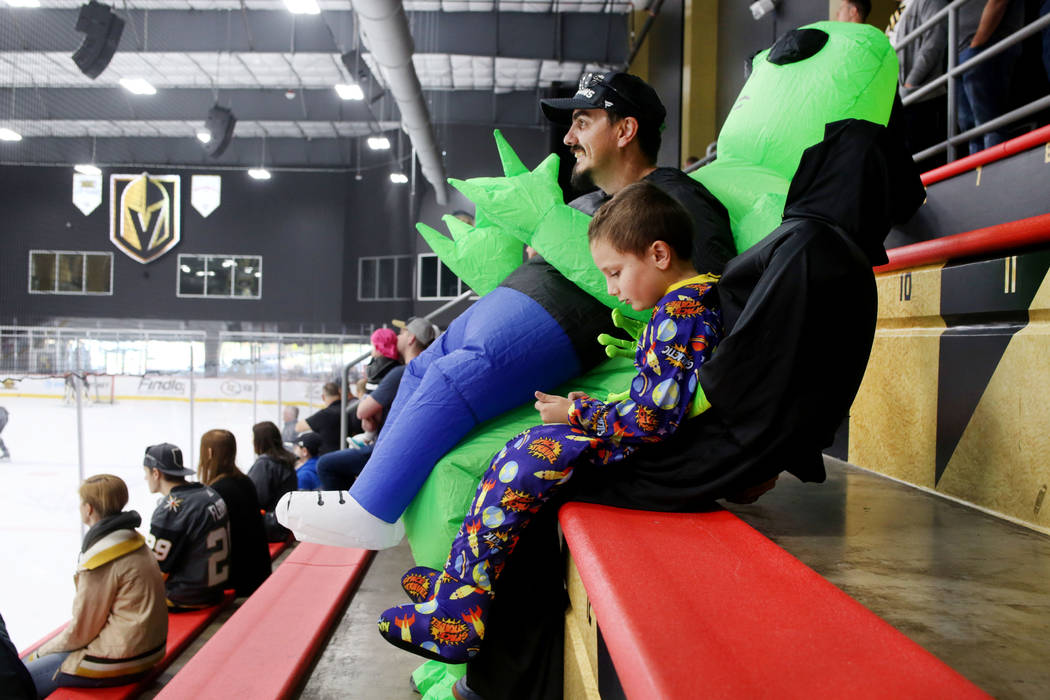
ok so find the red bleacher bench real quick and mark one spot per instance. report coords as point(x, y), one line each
point(702, 604)
point(265, 649)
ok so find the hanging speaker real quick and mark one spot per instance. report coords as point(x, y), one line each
point(102, 30)
point(220, 125)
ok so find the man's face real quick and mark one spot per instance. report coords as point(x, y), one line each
point(289, 413)
point(592, 141)
point(152, 479)
point(404, 342)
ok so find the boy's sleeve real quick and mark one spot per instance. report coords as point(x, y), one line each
point(676, 342)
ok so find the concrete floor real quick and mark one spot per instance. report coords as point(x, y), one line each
point(972, 589)
point(358, 663)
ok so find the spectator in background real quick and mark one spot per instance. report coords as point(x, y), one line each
point(689, 162)
point(384, 357)
point(326, 422)
point(290, 416)
point(120, 622)
point(189, 532)
point(338, 470)
point(856, 11)
point(985, 92)
point(921, 61)
point(249, 554)
point(306, 450)
point(273, 475)
point(14, 677)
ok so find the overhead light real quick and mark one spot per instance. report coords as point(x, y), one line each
point(379, 143)
point(761, 8)
point(259, 174)
point(87, 169)
point(101, 29)
point(203, 136)
point(23, 3)
point(184, 268)
point(398, 178)
point(352, 91)
point(9, 135)
point(303, 7)
point(228, 262)
point(138, 86)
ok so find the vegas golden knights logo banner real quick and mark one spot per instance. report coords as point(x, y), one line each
point(144, 214)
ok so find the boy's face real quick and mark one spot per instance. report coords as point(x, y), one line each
point(152, 479)
point(636, 280)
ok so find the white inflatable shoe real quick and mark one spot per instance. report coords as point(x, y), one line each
point(335, 518)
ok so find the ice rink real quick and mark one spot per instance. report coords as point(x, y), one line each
point(40, 531)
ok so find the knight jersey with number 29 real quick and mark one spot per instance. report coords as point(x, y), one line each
point(190, 536)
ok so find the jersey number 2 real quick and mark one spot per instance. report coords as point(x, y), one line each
point(219, 545)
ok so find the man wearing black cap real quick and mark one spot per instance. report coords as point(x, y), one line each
point(614, 122)
point(189, 531)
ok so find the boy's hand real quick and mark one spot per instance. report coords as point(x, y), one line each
point(577, 395)
point(553, 409)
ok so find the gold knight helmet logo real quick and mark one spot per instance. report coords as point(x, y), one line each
point(144, 214)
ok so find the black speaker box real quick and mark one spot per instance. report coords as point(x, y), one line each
point(220, 125)
point(102, 30)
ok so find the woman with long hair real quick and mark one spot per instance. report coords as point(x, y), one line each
point(249, 554)
point(273, 475)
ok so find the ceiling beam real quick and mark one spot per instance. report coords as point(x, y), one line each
point(595, 37)
point(314, 104)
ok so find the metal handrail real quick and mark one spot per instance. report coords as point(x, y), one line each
point(951, 76)
point(346, 369)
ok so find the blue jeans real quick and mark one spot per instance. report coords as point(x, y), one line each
point(338, 470)
point(47, 679)
point(985, 94)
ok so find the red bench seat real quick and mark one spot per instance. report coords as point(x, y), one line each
point(693, 605)
point(266, 647)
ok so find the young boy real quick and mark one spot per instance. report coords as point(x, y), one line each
point(641, 241)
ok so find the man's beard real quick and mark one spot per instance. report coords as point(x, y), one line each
point(581, 180)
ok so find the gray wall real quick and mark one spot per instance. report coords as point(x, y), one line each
point(310, 229)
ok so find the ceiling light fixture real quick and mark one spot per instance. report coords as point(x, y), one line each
point(203, 136)
point(303, 7)
point(87, 169)
point(379, 143)
point(138, 86)
point(259, 174)
point(398, 178)
point(350, 91)
point(9, 134)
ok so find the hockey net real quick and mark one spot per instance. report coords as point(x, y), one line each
point(100, 387)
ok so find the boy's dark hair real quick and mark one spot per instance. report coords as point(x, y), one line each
point(639, 215)
point(331, 389)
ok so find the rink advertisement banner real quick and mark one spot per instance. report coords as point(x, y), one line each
point(87, 192)
point(171, 387)
point(205, 193)
point(144, 221)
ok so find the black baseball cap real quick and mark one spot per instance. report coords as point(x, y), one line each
point(626, 94)
point(167, 458)
point(310, 440)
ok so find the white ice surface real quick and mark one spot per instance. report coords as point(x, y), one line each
point(40, 529)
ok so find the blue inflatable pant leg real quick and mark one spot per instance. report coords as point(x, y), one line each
point(489, 361)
